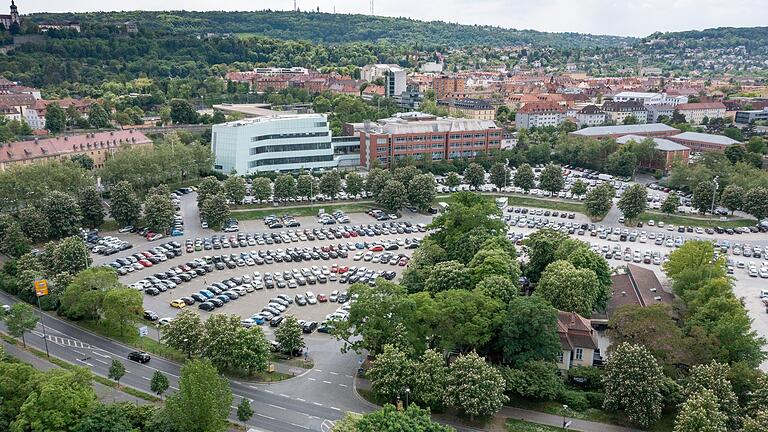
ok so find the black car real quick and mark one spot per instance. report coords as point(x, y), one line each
point(309, 327)
point(200, 298)
point(189, 301)
point(152, 291)
point(139, 356)
point(276, 321)
point(216, 302)
point(150, 316)
point(206, 306)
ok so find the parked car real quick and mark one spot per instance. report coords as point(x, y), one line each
point(139, 356)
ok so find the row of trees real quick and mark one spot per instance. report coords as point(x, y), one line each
point(395, 188)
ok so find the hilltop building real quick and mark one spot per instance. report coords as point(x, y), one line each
point(13, 18)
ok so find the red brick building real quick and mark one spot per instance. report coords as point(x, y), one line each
point(421, 135)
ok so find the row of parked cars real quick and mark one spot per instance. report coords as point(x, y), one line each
point(332, 218)
point(163, 281)
point(106, 245)
point(146, 258)
point(274, 222)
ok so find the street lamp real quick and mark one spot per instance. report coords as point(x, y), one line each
point(566, 423)
point(714, 194)
point(186, 348)
point(407, 393)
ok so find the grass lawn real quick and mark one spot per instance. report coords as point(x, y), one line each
point(514, 425)
point(527, 201)
point(131, 337)
point(695, 221)
point(310, 210)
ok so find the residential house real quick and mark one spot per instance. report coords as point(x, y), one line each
point(696, 112)
point(590, 115)
point(578, 342)
point(619, 111)
point(540, 114)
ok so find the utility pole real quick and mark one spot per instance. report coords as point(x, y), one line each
point(371, 7)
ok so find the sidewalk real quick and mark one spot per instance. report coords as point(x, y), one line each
point(103, 393)
point(557, 421)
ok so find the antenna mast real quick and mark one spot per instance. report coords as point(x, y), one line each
point(371, 7)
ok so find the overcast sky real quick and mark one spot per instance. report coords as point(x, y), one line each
point(616, 17)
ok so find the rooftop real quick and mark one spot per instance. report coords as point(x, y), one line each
point(253, 110)
point(701, 105)
point(706, 138)
point(270, 118)
point(417, 122)
point(67, 144)
point(625, 129)
point(661, 143)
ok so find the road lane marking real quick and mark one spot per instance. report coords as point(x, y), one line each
point(284, 395)
point(333, 373)
point(317, 403)
point(334, 408)
point(311, 379)
point(300, 400)
point(265, 416)
point(275, 406)
point(298, 425)
point(327, 382)
point(343, 385)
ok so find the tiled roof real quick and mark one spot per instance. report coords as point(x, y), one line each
point(701, 106)
point(625, 129)
point(63, 145)
point(575, 331)
point(705, 138)
point(661, 143)
point(541, 107)
point(591, 109)
point(628, 106)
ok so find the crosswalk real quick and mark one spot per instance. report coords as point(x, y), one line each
point(65, 342)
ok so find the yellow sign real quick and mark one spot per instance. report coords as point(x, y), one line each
point(41, 287)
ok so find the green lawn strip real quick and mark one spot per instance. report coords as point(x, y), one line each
point(99, 379)
point(514, 425)
point(371, 397)
point(132, 338)
point(526, 201)
point(695, 221)
point(300, 211)
point(291, 361)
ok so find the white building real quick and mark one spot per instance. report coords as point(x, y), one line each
point(432, 67)
point(590, 115)
point(392, 74)
point(696, 112)
point(275, 143)
point(539, 114)
point(650, 98)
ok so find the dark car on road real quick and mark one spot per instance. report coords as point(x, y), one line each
point(139, 356)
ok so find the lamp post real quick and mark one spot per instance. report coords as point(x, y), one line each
point(714, 194)
point(566, 423)
point(407, 394)
point(186, 348)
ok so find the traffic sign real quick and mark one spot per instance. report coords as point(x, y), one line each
point(143, 331)
point(41, 287)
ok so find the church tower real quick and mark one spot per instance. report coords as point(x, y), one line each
point(14, 13)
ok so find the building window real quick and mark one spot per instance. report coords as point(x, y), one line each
point(560, 357)
point(579, 354)
point(289, 147)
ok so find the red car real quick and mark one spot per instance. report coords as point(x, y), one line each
point(353, 233)
point(345, 234)
point(145, 263)
point(343, 269)
point(377, 248)
point(322, 298)
point(334, 268)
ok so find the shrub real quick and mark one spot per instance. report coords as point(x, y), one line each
point(595, 399)
point(590, 378)
point(575, 399)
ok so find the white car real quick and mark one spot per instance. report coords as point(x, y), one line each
point(311, 299)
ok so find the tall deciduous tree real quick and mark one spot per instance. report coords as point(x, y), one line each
point(64, 216)
point(702, 196)
point(55, 118)
point(215, 211)
point(244, 410)
point(474, 175)
point(430, 376)
point(452, 180)
point(714, 377)
point(207, 188)
point(234, 189)
point(185, 332)
point(524, 177)
point(203, 401)
point(20, 319)
point(182, 112)
point(125, 207)
point(568, 288)
point(289, 335)
point(116, 371)
point(671, 203)
point(633, 201)
point(232, 347)
point(159, 383)
point(330, 184)
point(98, 117)
point(421, 191)
point(262, 188)
point(578, 188)
point(122, 307)
point(13, 241)
point(599, 200)
point(285, 187)
point(633, 382)
point(501, 288)
point(353, 184)
point(393, 196)
point(448, 275)
point(700, 413)
point(91, 208)
point(499, 175)
point(756, 202)
point(529, 331)
point(542, 246)
point(158, 213)
point(375, 181)
point(467, 319)
point(551, 179)
point(732, 197)
point(475, 387)
point(391, 372)
point(34, 224)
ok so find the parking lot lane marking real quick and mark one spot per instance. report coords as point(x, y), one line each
point(101, 355)
point(317, 403)
point(318, 370)
point(299, 426)
point(148, 379)
point(300, 400)
point(265, 416)
point(342, 385)
point(275, 406)
point(348, 376)
point(311, 379)
point(269, 391)
point(333, 373)
point(100, 361)
point(284, 395)
point(334, 408)
point(327, 382)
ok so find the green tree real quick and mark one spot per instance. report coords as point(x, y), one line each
point(375, 181)
point(529, 331)
point(405, 174)
point(489, 262)
point(91, 208)
point(551, 179)
point(84, 296)
point(34, 224)
point(182, 112)
point(285, 187)
point(208, 187)
point(452, 180)
point(501, 288)
point(599, 200)
point(466, 319)
point(234, 189)
point(757, 422)
point(622, 162)
point(671, 203)
point(735, 153)
point(244, 410)
point(578, 188)
point(158, 213)
point(756, 145)
point(116, 371)
point(474, 175)
point(69, 255)
point(98, 117)
point(185, 332)
point(534, 379)
point(630, 120)
point(633, 201)
point(55, 118)
point(14, 243)
point(215, 211)
point(105, 418)
point(353, 184)
point(391, 372)
point(524, 177)
point(568, 288)
point(714, 377)
point(330, 184)
point(262, 188)
point(159, 383)
point(585, 258)
point(83, 160)
point(732, 197)
point(203, 401)
point(230, 346)
point(475, 387)
point(64, 216)
point(125, 207)
point(448, 275)
point(429, 378)
point(19, 320)
point(121, 307)
point(390, 419)
point(700, 413)
point(702, 197)
point(393, 196)
point(61, 400)
point(499, 175)
point(421, 191)
point(633, 382)
point(289, 335)
point(542, 246)
point(756, 202)
point(18, 381)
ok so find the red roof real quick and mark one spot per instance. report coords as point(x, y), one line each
point(541, 107)
point(700, 106)
point(68, 144)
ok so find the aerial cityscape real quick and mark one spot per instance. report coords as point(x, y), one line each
point(372, 217)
